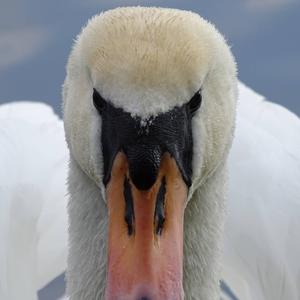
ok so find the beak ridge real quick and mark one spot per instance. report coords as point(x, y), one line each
point(145, 243)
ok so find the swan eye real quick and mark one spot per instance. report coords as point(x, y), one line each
point(194, 104)
point(99, 102)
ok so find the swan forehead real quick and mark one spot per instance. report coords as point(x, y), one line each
point(148, 60)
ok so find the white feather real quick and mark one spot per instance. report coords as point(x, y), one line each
point(33, 219)
point(263, 226)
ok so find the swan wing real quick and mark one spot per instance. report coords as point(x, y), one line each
point(33, 218)
point(262, 237)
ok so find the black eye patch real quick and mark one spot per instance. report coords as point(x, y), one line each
point(167, 132)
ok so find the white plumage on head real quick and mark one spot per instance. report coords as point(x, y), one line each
point(147, 61)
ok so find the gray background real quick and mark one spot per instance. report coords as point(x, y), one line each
point(36, 37)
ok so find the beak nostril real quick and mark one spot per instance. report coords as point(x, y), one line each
point(144, 298)
point(159, 214)
point(129, 211)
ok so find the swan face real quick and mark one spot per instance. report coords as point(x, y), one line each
point(135, 80)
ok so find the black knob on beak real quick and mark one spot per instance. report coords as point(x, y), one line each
point(144, 162)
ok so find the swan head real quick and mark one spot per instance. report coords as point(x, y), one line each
point(149, 109)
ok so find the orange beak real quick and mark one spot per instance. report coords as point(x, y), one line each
point(145, 242)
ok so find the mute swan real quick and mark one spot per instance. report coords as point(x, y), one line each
point(250, 111)
point(149, 113)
